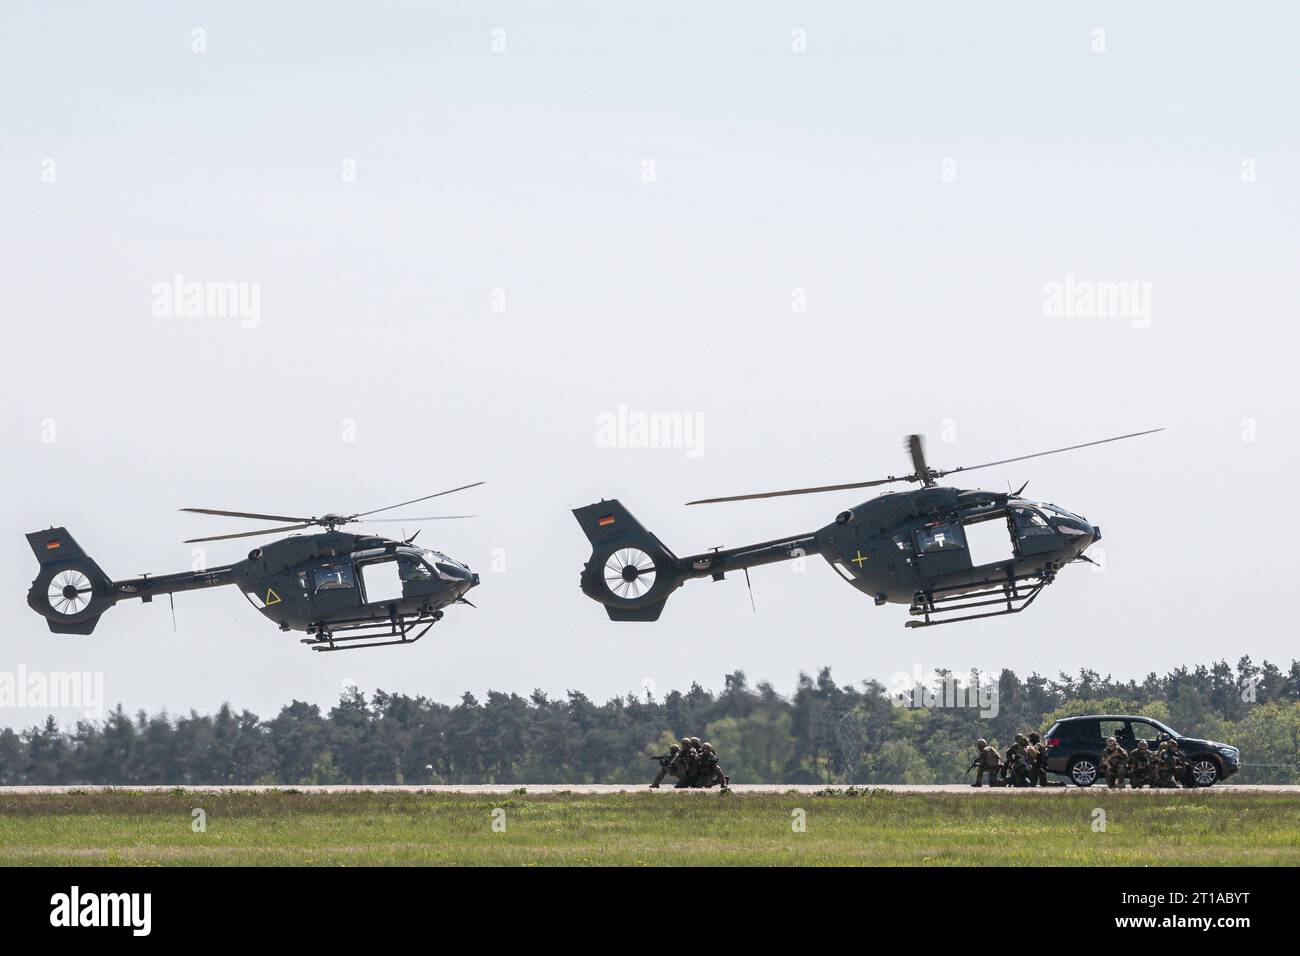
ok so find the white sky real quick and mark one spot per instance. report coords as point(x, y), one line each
point(523, 171)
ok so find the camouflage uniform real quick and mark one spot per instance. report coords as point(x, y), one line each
point(1019, 761)
point(667, 767)
point(1114, 763)
point(683, 768)
point(710, 769)
point(1038, 776)
point(1141, 765)
point(987, 761)
point(1168, 764)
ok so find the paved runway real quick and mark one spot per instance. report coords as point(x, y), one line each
point(506, 788)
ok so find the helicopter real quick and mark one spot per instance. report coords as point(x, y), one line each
point(326, 584)
point(911, 547)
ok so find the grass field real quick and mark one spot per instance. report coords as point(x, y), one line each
point(647, 829)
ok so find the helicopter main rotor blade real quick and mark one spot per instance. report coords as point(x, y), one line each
point(797, 491)
point(1054, 451)
point(250, 534)
point(916, 448)
point(424, 518)
point(414, 500)
point(243, 514)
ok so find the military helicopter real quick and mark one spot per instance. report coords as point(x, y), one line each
point(911, 547)
point(327, 584)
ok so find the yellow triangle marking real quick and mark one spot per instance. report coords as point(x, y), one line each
point(272, 597)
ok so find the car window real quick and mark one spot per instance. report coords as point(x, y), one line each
point(1114, 728)
point(1080, 729)
point(1144, 731)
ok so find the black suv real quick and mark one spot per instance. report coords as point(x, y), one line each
point(1075, 744)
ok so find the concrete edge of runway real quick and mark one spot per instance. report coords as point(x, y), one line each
point(557, 788)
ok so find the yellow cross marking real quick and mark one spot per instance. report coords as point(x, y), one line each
point(859, 559)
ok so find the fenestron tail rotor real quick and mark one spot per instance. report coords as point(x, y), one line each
point(329, 521)
point(69, 592)
point(922, 472)
point(629, 573)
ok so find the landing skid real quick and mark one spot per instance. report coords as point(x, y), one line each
point(401, 630)
point(1010, 594)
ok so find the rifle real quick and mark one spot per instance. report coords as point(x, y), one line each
point(973, 764)
point(663, 759)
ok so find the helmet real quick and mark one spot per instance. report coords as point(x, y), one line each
point(1143, 745)
point(695, 741)
point(686, 742)
point(707, 746)
point(1021, 739)
point(981, 743)
point(1111, 741)
point(1034, 738)
point(674, 749)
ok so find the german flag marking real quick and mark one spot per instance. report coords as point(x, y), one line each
point(605, 521)
point(52, 545)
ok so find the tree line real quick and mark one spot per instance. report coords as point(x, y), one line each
point(823, 732)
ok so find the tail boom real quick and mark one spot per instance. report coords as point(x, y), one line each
point(632, 573)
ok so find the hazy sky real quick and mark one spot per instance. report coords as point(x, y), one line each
point(812, 228)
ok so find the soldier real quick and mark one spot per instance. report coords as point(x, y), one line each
point(1180, 765)
point(1038, 777)
point(1166, 765)
point(987, 761)
point(1018, 763)
point(1114, 762)
point(1139, 765)
point(666, 765)
point(710, 768)
point(683, 764)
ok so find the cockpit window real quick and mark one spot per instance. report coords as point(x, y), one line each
point(333, 576)
point(1060, 512)
point(410, 569)
point(944, 537)
point(1030, 522)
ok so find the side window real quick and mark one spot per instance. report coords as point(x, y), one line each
point(1114, 728)
point(335, 575)
point(1030, 522)
point(902, 542)
point(944, 537)
point(409, 569)
point(1144, 731)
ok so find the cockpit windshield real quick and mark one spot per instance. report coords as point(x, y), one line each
point(1030, 521)
point(1059, 512)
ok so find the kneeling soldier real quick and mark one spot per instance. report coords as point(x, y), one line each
point(987, 761)
point(1114, 763)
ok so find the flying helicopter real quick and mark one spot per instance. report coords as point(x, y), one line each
point(345, 590)
point(912, 547)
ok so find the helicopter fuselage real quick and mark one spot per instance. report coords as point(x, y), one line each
point(317, 583)
point(908, 547)
point(897, 545)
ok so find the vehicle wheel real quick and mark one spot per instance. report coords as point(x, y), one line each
point(1203, 772)
point(1083, 771)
